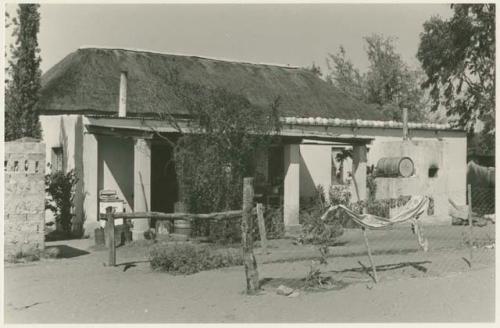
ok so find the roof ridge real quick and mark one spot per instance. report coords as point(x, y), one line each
point(228, 60)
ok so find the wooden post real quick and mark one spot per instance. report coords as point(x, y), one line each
point(370, 255)
point(110, 227)
point(251, 273)
point(405, 123)
point(262, 227)
point(469, 198)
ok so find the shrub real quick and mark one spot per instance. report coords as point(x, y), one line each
point(225, 231)
point(60, 189)
point(188, 258)
point(275, 226)
point(228, 131)
point(340, 195)
point(319, 232)
point(33, 255)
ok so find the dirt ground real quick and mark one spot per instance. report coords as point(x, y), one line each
point(437, 286)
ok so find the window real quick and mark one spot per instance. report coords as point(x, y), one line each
point(433, 171)
point(57, 159)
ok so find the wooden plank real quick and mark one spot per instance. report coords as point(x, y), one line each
point(172, 216)
point(262, 227)
point(251, 273)
point(110, 227)
point(405, 124)
point(469, 198)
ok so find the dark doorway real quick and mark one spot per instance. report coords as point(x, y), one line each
point(163, 179)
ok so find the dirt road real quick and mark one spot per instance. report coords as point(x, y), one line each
point(83, 290)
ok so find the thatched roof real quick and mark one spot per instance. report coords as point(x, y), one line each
point(87, 81)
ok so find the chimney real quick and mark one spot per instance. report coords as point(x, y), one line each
point(122, 105)
point(405, 123)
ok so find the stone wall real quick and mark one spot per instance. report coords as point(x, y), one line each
point(24, 209)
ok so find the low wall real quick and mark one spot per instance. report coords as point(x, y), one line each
point(447, 183)
point(24, 210)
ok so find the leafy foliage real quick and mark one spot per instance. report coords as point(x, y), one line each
point(389, 83)
point(188, 258)
point(23, 88)
point(61, 189)
point(227, 133)
point(225, 231)
point(316, 231)
point(316, 70)
point(458, 56)
point(275, 225)
point(345, 76)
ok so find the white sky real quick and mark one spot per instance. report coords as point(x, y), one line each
point(289, 34)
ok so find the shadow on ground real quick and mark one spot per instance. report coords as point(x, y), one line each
point(60, 236)
point(336, 280)
point(66, 252)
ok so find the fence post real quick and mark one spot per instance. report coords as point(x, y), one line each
point(262, 227)
point(469, 199)
point(110, 225)
point(251, 273)
point(372, 263)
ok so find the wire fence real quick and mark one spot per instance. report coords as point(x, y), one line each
point(483, 200)
point(448, 243)
point(451, 244)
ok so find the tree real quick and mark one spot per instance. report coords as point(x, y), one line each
point(389, 83)
point(458, 57)
point(212, 161)
point(344, 75)
point(23, 87)
point(316, 70)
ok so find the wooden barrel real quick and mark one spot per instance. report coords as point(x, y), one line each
point(395, 167)
point(182, 227)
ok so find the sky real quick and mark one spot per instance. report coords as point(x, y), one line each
point(285, 34)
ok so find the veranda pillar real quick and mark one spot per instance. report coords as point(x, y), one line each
point(359, 163)
point(291, 186)
point(142, 185)
point(90, 182)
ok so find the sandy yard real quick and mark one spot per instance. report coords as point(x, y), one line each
point(437, 286)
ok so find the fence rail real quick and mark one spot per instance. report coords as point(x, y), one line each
point(110, 224)
point(172, 216)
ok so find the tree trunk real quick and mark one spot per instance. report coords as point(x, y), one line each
point(251, 273)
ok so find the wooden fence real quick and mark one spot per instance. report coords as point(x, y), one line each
point(247, 242)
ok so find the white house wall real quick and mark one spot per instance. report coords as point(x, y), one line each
point(115, 160)
point(315, 169)
point(447, 151)
point(66, 131)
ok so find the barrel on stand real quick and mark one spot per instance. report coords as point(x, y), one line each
point(395, 167)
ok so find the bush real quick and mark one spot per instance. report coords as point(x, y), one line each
point(188, 258)
point(228, 131)
point(319, 232)
point(60, 188)
point(275, 225)
point(225, 231)
point(340, 195)
point(33, 255)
